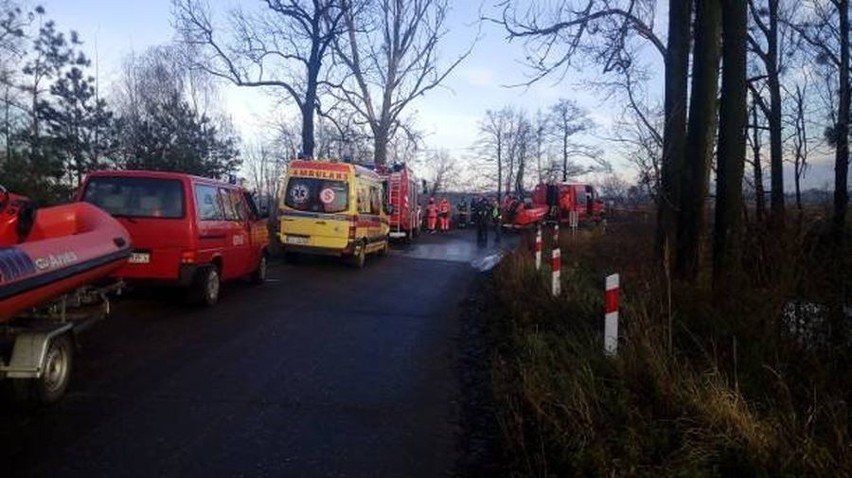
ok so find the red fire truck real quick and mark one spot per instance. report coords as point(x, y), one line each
point(562, 202)
point(404, 197)
point(581, 199)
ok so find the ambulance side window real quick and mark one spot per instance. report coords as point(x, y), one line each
point(375, 200)
point(363, 199)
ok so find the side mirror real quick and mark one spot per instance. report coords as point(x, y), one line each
point(389, 209)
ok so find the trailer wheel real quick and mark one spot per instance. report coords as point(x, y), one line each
point(206, 286)
point(51, 386)
point(258, 277)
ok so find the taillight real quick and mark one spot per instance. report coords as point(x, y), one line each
point(352, 227)
point(187, 257)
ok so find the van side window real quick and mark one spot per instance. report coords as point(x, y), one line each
point(208, 203)
point(230, 208)
point(251, 210)
point(239, 205)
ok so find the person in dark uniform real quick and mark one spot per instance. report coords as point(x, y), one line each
point(462, 214)
point(482, 217)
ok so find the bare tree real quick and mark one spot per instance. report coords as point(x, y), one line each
point(13, 29)
point(642, 147)
point(556, 33)
point(443, 171)
point(674, 132)
point(766, 39)
point(390, 51)
point(701, 135)
point(493, 139)
point(282, 47)
point(614, 188)
point(569, 119)
point(730, 163)
point(263, 166)
point(841, 130)
point(520, 148)
point(824, 30)
point(800, 140)
point(755, 141)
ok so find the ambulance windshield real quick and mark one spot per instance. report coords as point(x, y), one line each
point(317, 195)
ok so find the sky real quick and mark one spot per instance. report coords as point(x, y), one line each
point(448, 116)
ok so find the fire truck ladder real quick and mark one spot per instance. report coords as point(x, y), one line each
point(396, 200)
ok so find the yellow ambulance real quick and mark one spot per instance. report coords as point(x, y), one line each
point(333, 208)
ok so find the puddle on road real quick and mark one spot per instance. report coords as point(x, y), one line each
point(460, 248)
point(488, 262)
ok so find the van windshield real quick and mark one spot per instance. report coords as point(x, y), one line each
point(317, 195)
point(136, 197)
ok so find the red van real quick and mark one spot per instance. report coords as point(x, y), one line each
point(186, 230)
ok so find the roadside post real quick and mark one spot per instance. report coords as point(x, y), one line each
point(574, 221)
point(556, 263)
point(538, 248)
point(611, 290)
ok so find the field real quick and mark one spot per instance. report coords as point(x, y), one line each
point(754, 381)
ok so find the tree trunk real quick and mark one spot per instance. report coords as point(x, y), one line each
point(499, 167)
point(700, 137)
point(565, 157)
point(730, 163)
point(776, 158)
point(380, 148)
point(519, 178)
point(841, 158)
point(759, 195)
point(308, 107)
point(308, 130)
point(674, 136)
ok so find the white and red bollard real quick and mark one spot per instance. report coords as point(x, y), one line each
point(611, 315)
point(538, 248)
point(556, 263)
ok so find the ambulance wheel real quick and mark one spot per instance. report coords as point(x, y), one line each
point(51, 386)
point(360, 257)
point(258, 277)
point(207, 285)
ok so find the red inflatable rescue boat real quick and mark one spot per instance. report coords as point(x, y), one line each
point(519, 216)
point(45, 253)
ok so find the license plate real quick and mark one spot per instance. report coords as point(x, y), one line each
point(297, 240)
point(139, 258)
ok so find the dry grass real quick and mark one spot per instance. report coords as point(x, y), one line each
point(734, 394)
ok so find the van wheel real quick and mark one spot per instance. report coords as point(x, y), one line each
point(258, 277)
point(360, 257)
point(51, 386)
point(207, 285)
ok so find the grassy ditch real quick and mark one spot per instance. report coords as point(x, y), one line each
point(701, 386)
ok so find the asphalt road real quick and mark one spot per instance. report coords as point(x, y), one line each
point(322, 371)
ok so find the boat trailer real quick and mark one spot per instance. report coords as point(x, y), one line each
point(37, 347)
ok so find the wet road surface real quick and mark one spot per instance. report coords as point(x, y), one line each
point(323, 371)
